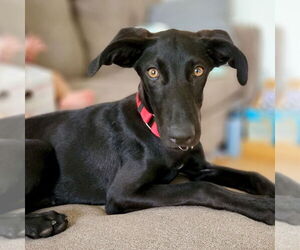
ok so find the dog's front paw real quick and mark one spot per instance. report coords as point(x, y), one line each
point(41, 225)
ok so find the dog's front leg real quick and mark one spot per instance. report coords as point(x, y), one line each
point(197, 169)
point(133, 189)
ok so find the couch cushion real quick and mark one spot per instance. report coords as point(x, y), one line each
point(112, 87)
point(157, 228)
point(53, 22)
point(101, 20)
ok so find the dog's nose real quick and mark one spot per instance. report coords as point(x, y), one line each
point(182, 136)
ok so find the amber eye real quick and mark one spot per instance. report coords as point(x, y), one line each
point(153, 73)
point(198, 71)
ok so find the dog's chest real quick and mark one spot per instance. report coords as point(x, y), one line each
point(175, 160)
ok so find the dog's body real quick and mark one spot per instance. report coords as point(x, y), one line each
point(93, 159)
point(105, 154)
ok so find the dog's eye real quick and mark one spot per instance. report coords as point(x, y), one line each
point(198, 71)
point(153, 73)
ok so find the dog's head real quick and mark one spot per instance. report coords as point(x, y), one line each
point(173, 66)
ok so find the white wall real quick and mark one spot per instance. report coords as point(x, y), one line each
point(260, 13)
point(288, 21)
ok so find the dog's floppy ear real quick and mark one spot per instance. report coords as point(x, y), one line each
point(222, 50)
point(124, 50)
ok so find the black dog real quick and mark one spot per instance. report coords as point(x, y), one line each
point(106, 154)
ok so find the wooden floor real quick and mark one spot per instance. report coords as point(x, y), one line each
point(265, 158)
point(257, 157)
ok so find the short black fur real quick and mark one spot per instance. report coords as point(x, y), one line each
point(105, 154)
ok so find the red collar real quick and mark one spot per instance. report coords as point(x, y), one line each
point(146, 116)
